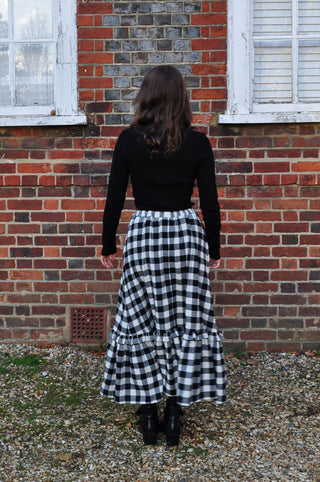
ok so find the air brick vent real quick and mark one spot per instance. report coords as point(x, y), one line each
point(88, 325)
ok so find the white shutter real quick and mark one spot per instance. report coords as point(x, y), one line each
point(309, 16)
point(272, 73)
point(309, 71)
point(273, 61)
point(272, 68)
point(272, 17)
point(286, 47)
point(309, 51)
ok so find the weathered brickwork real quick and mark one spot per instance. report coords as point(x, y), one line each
point(53, 185)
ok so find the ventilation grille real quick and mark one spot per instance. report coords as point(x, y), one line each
point(88, 325)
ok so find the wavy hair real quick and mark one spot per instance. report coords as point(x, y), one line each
point(163, 109)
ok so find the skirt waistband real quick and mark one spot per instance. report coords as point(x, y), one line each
point(141, 213)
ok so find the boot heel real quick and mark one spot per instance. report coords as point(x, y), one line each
point(149, 439)
point(171, 424)
point(172, 439)
point(149, 423)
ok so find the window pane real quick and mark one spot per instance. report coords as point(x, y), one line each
point(4, 30)
point(32, 19)
point(4, 75)
point(34, 74)
point(309, 16)
point(309, 71)
point(272, 73)
point(272, 17)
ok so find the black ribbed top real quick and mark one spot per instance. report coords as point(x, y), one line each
point(162, 183)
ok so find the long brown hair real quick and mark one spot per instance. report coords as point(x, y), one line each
point(163, 109)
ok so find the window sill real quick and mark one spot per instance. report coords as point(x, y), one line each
point(269, 118)
point(42, 120)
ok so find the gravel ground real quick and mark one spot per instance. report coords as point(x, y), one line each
point(55, 427)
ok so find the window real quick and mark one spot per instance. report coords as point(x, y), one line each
point(273, 61)
point(38, 76)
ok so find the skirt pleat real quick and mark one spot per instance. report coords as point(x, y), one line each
point(164, 340)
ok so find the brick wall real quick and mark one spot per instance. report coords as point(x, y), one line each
point(54, 184)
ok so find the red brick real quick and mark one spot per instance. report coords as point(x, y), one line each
point(6, 168)
point(310, 191)
point(37, 154)
point(291, 264)
point(284, 153)
point(86, 95)
point(306, 166)
point(290, 251)
point(218, 6)
point(291, 275)
point(11, 181)
point(208, 19)
point(283, 347)
point(253, 142)
point(94, 33)
point(78, 204)
point(9, 192)
point(208, 93)
point(311, 239)
point(308, 179)
point(66, 168)
point(94, 8)
point(309, 287)
point(50, 335)
point(95, 58)
point(98, 20)
point(289, 179)
point(85, 20)
point(286, 204)
point(25, 205)
point(23, 228)
point(29, 180)
point(77, 299)
point(232, 299)
point(308, 153)
point(262, 240)
point(227, 323)
point(34, 168)
point(271, 180)
point(207, 69)
point(258, 335)
point(48, 217)
point(95, 83)
point(48, 310)
point(62, 154)
point(14, 154)
point(309, 311)
point(261, 191)
point(272, 167)
point(305, 142)
point(291, 228)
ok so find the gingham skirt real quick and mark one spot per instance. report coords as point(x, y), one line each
point(164, 340)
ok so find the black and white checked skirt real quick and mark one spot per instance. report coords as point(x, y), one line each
point(165, 340)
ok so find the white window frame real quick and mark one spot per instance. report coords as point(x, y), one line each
point(240, 109)
point(64, 111)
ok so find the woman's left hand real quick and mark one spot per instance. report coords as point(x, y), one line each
point(108, 261)
point(214, 263)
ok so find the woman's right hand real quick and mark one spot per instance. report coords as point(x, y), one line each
point(214, 263)
point(108, 261)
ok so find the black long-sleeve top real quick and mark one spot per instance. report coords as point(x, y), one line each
point(162, 183)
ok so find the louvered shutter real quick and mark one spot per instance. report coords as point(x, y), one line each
point(309, 51)
point(286, 51)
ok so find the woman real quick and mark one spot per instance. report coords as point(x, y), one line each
point(164, 341)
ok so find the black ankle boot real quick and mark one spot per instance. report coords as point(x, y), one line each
point(171, 424)
point(149, 423)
